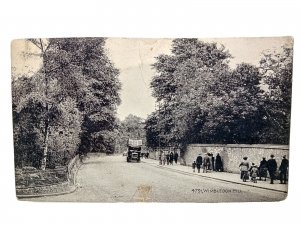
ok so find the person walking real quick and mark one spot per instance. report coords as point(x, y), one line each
point(212, 162)
point(194, 166)
point(163, 158)
point(176, 157)
point(244, 167)
point(171, 158)
point(219, 164)
point(199, 162)
point(253, 172)
point(263, 169)
point(168, 157)
point(206, 163)
point(283, 170)
point(160, 157)
point(272, 167)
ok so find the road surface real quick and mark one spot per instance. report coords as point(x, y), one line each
point(112, 179)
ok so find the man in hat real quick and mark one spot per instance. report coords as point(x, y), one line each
point(199, 162)
point(283, 170)
point(272, 167)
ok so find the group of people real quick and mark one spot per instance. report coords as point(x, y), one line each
point(208, 162)
point(145, 155)
point(167, 157)
point(264, 168)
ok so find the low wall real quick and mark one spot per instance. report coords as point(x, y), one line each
point(233, 154)
point(65, 186)
point(73, 167)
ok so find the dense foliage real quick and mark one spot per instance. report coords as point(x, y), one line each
point(202, 100)
point(69, 105)
point(132, 127)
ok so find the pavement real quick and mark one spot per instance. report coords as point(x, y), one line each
point(233, 178)
point(112, 179)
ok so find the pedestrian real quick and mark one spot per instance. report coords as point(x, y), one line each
point(206, 163)
point(244, 167)
point(253, 172)
point(272, 167)
point(212, 161)
point(263, 169)
point(160, 157)
point(163, 158)
point(199, 162)
point(219, 164)
point(283, 170)
point(176, 157)
point(194, 166)
point(171, 158)
point(168, 157)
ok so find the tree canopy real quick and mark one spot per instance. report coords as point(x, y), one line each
point(72, 100)
point(202, 100)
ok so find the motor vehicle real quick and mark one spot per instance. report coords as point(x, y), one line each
point(134, 150)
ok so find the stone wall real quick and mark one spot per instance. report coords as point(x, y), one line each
point(66, 185)
point(233, 154)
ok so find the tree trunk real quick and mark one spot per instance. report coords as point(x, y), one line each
point(45, 150)
point(46, 137)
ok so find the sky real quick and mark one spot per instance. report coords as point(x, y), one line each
point(133, 57)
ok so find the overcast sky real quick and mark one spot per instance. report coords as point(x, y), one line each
point(133, 57)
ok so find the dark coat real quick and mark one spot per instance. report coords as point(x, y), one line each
point(218, 162)
point(263, 164)
point(263, 168)
point(284, 165)
point(272, 165)
point(176, 156)
point(171, 156)
point(199, 160)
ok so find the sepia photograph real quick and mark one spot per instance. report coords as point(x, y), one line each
point(200, 120)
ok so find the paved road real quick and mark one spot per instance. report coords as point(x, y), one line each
point(112, 179)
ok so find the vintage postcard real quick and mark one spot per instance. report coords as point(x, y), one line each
point(152, 120)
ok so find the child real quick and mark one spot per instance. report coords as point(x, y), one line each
point(194, 166)
point(253, 172)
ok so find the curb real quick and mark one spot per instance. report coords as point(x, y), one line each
point(214, 178)
point(72, 188)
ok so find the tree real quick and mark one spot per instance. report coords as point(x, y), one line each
point(131, 127)
point(87, 75)
point(72, 99)
point(237, 116)
point(30, 113)
point(277, 69)
point(202, 100)
point(182, 86)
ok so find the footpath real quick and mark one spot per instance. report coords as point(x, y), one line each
point(221, 176)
